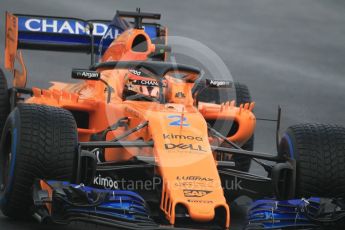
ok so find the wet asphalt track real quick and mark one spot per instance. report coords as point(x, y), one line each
point(290, 53)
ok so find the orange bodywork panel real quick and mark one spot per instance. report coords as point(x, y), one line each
point(11, 53)
point(182, 152)
point(178, 127)
point(123, 48)
point(228, 111)
point(183, 155)
point(11, 40)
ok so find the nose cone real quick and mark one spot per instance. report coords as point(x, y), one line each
point(187, 166)
point(201, 213)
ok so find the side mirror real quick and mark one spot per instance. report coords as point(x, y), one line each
point(85, 74)
point(160, 52)
point(219, 83)
point(210, 90)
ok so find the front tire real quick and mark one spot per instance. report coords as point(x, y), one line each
point(319, 151)
point(4, 100)
point(242, 97)
point(38, 142)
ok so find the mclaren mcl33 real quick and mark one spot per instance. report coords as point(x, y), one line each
point(139, 141)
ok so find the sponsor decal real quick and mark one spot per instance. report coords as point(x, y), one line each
point(152, 83)
point(194, 182)
point(195, 178)
point(85, 74)
point(181, 146)
point(195, 193)
point(135, 72)
point(218, 83)
point(64, 26)
point(180, 95)
point(194, 185)
point(145, 80)
point(200, 201)
point(105, 182)
point(181, 137)
point(73, 26)
point(178, 120)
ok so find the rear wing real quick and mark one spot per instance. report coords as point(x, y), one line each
point(62, 34)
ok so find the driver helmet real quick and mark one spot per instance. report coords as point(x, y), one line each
point(139, 83)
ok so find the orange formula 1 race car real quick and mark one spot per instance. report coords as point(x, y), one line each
point(140, 141)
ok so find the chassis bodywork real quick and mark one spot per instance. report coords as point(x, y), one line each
point(169, 138)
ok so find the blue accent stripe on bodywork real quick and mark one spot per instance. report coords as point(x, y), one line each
point(12, 166)
point(13, 156)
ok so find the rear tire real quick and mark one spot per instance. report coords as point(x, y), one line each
point(319, 151)
point(4, 101)
point(38, 142)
